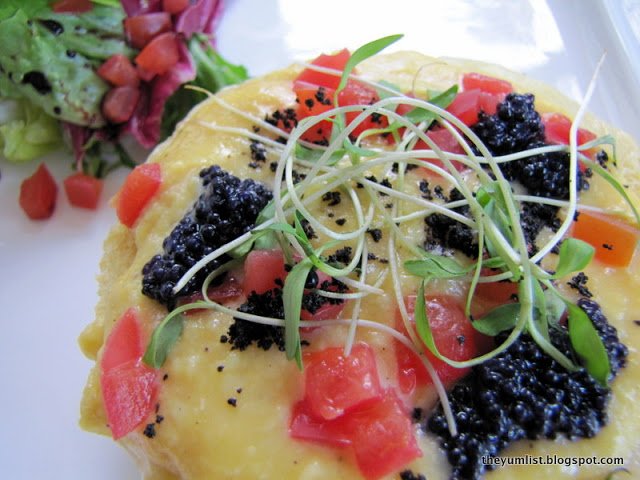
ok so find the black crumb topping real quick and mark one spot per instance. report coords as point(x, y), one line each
point(524, 393)
point(409, 475)
point(579, 283)
point(341, 221)
point(285, 119)
point(242, 333)
point(343, 255)
point(258, 151)
point(376, 234)
point(443, 231)
point(150, 430)
point(333, 198)
point(226, 209)
point(232, 401)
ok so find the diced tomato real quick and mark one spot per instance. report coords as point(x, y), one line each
point(124, 343)
point(466, 106)
point(327, 311)
point(174, 6)
point(305, 425)
point(140, 29)
point(497, 293)
point(230, 289)
point(119, 103)
point(335, 383)
point(139, 188)
point(313, 100)
point(454, 336)
point(38, 194)
point(160, 54)
point(83, 190)
point(128, 392)
point(119, 71)
point(615, 240)
point(485, 83)
point(382, 436)
point(144, 75)
point(357, 93)
point(72, 6)
point(264, 270)
point(444, 139)
point(128, 386)
point(556, 132)
point(337, 61)
point(488, 102)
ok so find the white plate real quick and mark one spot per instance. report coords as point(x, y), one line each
point(48, 268)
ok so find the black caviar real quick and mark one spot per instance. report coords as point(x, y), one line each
point(227, 208)
point(524, 393)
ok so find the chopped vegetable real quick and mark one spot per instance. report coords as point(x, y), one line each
point(141, 29)
point(335, 383)
point(174, 6)
point(128, 386)
point(336, 61)
point(83, 190)
point(120, 103)
point(485, 83)
point(38, 194)
point(263, 270)
point(119, 71)
point(556, 132)
point(455, 338)
point(72, 6)
point(160, 54)
point(615, 240)
point(139, 188)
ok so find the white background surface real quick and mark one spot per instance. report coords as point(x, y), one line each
point(47, 269)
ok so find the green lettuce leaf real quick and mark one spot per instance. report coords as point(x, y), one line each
point(26, 131)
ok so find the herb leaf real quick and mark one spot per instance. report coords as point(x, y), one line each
point(365, 51)
point(436, 266)
point(588, 345)
point(504, 317)
point(164, 337)
point(443, 100)
point(292, 297)
point(574, 256)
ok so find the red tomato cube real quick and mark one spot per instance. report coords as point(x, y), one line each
point(139, 188)
point(174, 6)
point(119, 71)
point(335, 383)
point(382, 436)
point(124, 343)
point(140, 29)
point(466, 106)
point(557, 128)
point(264, 270)
point(454, 336)
point(160, 54)
point(83, 190)
point(38, 194)
point(485, 83)
point(128, 393)
point(119, 103)
point(337, 61)
point(305, 425)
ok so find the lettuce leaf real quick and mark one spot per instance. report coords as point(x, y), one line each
point(26, 131)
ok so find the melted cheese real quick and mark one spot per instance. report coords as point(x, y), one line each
point(202, 436)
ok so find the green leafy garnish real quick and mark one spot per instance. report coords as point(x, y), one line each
point(574, 256)
point(366, 51)
point(164, 337)
point(292, 298)
point(436, 266)
point(443, 100)
point(502, 318)
point(588, 345)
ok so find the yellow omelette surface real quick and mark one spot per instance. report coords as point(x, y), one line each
point(202, 436)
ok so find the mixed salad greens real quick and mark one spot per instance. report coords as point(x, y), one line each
point(91, 71)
